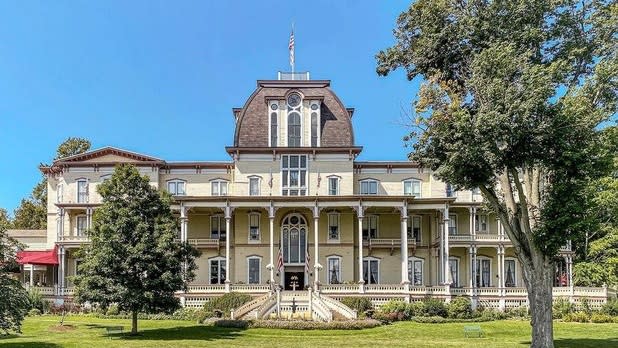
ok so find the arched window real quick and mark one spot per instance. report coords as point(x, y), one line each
point(217, 270)
point(294, 239)
point(294, 129)
point(415, 270)
point(176, 187)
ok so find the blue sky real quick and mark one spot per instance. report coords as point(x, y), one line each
point(161, 77)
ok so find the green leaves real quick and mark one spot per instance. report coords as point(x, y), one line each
point(14, 300)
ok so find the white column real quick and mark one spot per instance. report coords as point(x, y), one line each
point(62, 267)
point(89, 218)
point(316, 264)
point(228, 236)
point(471, 253)
point(271, 220)
point(473, 222)
point(501, 291)
point(360, 213)
point(404, 245)
point(31, 275)
point(184, 222)
point(440, 256)
point(446, 247)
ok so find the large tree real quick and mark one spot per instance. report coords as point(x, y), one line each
point(14, 300)
point(512, 96)
point(134, 259)
point(32, 211)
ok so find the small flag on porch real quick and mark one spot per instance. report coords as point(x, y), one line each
point(307, 259)
point(270, 181)
point(279, 260)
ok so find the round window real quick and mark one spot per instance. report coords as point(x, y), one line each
point(274, 106)
point(294, 100)
point(314, 106)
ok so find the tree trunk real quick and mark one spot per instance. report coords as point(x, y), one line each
point(134, 323)
point(539, 283)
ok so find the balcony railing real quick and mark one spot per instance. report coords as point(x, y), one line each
point(382, 243)
point(74, 239)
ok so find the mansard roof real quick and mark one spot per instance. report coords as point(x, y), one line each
point(252, 119)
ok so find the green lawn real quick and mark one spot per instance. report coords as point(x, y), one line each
point(42, 332)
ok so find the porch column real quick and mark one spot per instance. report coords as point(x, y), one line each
point(61, 279)
point(501, 291)
point(228, 236)
point(184, 222)
point(472, 256)
point(271, 221)
point(473, 221)
point(360, 212)
point(500, 229)
point(404, 245)
point(31, 275)
point(446, 247)
point(89, 218)
point(440, 251)
point(316, 264)
point(60, 226)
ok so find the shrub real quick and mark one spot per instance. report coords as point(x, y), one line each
point(490, 314)
point(299, 324)
point(192, 314)
point(519, 312)
point(434, 307)
point(460, 308)
point(579, 317)
point(226, 303)
point(585, 306)
point(34, 312)
point(601, 318)
point(360, 304)
point(611, 307)
point(35, 298)
point(562, 307)
point(113, 310)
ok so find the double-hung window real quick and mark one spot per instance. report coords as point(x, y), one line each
point(370, 227)
point(254, 227)
point(294, 175)
point(80, 229)
point(217, 270)
point(452, 224)
point(415, 271)
point(510, 279)
point(371, 271)
point(254, 265)
point(369, 187)
point(412, 187)
point(219, 187)
point(481, 223)
point(82, 191)
point(254, 186)
point(414, 228)
point(334, 270)
point(333, 227)
point(483, 273)
point(176, 187)
point(333, 186)
point(217, 227)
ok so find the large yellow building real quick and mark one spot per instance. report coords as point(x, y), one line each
point(293, 188)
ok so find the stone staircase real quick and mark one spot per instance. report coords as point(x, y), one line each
point(295, 305)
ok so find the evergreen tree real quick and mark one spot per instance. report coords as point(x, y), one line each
point(14, 299)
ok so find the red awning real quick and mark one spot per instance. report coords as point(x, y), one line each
point(47, 257)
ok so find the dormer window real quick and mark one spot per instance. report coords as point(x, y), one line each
point(274, 123)
point(369, 187)
point(176, 187)
point(315, 124)
point(412, 187)
point(218, 187)
point(294, 106)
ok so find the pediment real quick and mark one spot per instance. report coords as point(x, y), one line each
point(109, 155)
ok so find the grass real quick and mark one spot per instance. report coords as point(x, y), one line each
point(85, 331)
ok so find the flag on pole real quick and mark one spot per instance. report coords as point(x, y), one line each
point(279, 260)
point(291, 48)
point(270, 181)
point(307, 259)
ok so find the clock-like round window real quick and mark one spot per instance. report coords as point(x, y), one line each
point(294, 100)
point(314, 106)
point(274, 106)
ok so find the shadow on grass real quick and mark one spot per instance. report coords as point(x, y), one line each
point(197, 332)
point(22, 344)
point(586, 342)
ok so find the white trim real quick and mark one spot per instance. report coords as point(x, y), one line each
point(338, 188)
point(477, 223)
point(254, 257)
point(452, 217)
point(76, 229)
point(327, 273)
point(77, 181)
point(269, 112)
point(319, 119)
point(366, 221)
point(300, 169)
point(412, 181)
point(220, 276)
point(219, 218)
point(455, 283)
point(510, 258)
point(479, 272)
point(259, 184)
point(338, 239)
point(302, 224)
point(368, 180)
point(176, 181)
point(218, 182)
point(411, 227)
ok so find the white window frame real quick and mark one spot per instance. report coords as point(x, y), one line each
point(514, 271)
point(366, 223)
point(302, 171)
point(270, 112)
point(412, 182)
point(222, 226)
point(410, 231)
point(85, 200)
point(257, 179)
point(59, 192)
point(477, 223)
point(451, 218)
point(455, 282)
point(337, 216)
point(368, 182)
point(218, 184)
point(254, 257)
point(175, 183)
point(340, 270)
point(77, 231)
point(221, 276)
point(411, 261)
point(337, 180)
point(249, 225)
point(478, 266)
point(370, 259)
point(298, 109)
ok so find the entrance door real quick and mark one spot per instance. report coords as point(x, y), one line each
point(294, 277)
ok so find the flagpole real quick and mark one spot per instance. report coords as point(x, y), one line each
point(293, 50)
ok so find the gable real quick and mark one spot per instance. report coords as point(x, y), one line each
point(108, 154)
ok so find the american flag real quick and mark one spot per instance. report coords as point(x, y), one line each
point(270, 181)
point(279, 260)
point(291, 48)
point(307, 259)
